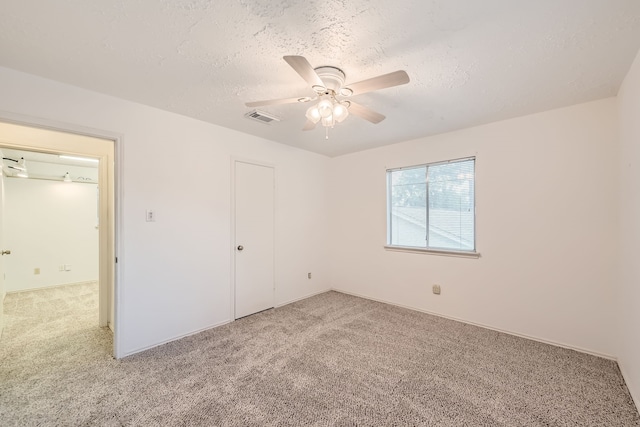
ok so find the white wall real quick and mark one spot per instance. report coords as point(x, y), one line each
point(49, 224)
point(175, 272)
point(628, 302)
point(546, 213)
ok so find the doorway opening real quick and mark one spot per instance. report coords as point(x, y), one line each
point(87, 178)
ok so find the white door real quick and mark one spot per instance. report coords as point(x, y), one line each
point(254, 238)
point(3, 250)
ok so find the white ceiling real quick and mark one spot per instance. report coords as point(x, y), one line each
point(470, 62)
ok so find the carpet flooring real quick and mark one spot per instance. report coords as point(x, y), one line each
point(329, 360)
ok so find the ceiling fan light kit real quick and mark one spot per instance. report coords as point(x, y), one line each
point(328, 83)
point(329, 111)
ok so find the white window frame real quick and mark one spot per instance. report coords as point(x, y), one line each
point(429, 250)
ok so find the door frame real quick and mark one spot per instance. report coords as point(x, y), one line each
point(110, 172)
point(232, 248)
point(3, 289)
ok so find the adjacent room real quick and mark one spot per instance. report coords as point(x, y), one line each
point(50, 222)
point(320, 213)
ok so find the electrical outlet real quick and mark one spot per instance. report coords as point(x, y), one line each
point(36, 271)
point(67, 267)
point(308, 275)
point(436, 289)
point(151, 215)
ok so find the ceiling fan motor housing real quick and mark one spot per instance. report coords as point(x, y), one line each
point(332, 77)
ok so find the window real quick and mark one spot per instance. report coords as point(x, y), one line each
point(432, 206)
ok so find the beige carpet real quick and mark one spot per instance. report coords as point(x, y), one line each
point(330, 360)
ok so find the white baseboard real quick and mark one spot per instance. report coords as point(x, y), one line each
point(517, 334)
point(149, 347)
point(175, 338)
point(636, 399)
point(301, 298)
point(37, 288)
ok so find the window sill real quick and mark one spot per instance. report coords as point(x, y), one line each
point(441, 252)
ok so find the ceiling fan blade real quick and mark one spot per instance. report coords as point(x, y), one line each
point(309, 125)
point(396, 78)
point(277, 101)
point(306, 71)
point(365, 113)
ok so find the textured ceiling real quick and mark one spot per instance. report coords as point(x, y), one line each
point(470, 62)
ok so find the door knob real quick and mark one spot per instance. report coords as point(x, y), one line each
point(6, 252)
point(240, 247)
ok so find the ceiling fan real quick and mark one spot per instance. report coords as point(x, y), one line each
point(328, 84)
